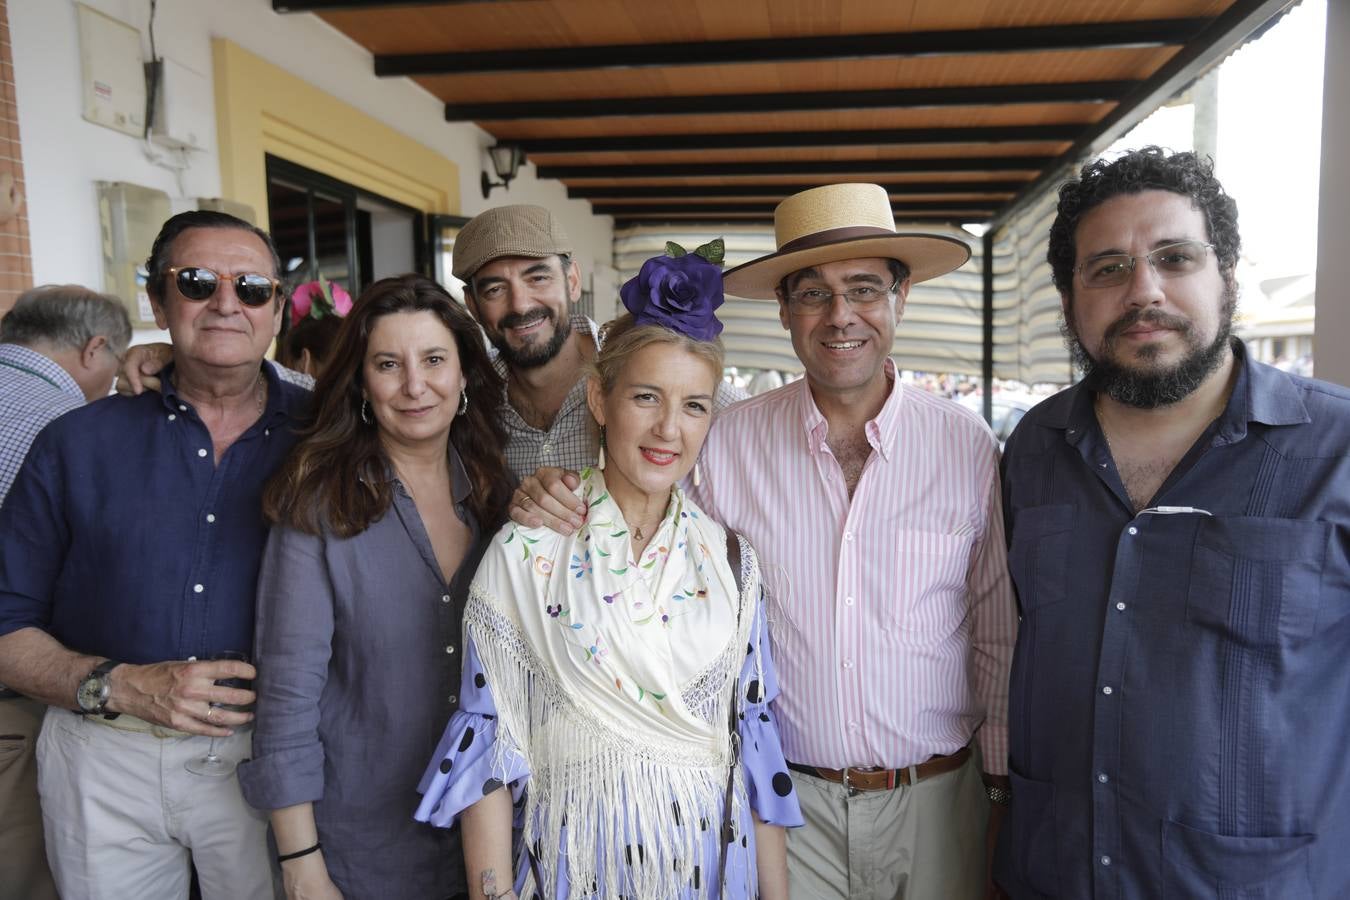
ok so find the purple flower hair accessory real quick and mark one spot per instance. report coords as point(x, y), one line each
point(681, 292)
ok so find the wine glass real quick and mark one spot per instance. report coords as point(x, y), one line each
point(213, 765)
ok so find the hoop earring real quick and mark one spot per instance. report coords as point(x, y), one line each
point(600, 463)
point(365, 412)
point(463, 402)
point(698, 474)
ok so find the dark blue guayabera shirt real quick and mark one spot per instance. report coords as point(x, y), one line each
point(1180, 698)
point(122, 536)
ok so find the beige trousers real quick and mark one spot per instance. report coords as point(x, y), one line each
point(122, 816)
point(925, 842)
point(23, 858)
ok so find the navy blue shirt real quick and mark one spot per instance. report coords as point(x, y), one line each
point(1180, 699)
point(122, 537)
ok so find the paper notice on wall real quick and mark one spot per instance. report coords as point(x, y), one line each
point(143, 308)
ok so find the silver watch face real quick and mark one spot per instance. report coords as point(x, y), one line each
point(92, 693)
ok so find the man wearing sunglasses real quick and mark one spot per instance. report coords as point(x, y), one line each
point(129, 550)
point(1179, 525)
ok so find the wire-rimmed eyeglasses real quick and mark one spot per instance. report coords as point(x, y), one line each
point(1169, 261)
point(810, 301)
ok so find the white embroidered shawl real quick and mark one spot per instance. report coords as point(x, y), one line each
point(613, 677)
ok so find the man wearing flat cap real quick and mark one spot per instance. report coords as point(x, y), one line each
point(520, 281)
point(875, 509)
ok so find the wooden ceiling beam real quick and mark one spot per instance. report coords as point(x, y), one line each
point(803, 167)
point(1148, 33)
point(620, 192)
point(796, 101)
point(874, 137)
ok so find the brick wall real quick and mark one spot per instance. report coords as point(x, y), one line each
point(16, 268)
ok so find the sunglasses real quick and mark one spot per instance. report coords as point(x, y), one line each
point(199, 283)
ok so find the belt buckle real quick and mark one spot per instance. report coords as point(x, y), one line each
point(848, 788)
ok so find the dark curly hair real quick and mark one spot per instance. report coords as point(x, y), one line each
point(1151, 168)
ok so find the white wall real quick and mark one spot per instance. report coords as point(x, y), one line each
point(63, 155)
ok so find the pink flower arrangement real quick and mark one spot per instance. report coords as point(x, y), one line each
point(316, 299)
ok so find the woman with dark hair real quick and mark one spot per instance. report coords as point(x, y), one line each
point(314, 314)
point(379, 514)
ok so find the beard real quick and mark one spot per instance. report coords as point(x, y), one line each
point(531, 356)
point(1152, 386)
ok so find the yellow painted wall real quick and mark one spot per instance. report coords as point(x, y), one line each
point(263, 109)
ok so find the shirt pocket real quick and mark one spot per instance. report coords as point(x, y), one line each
point(930, 569)
point(1032, 834)
point(1039, 555)
point(1200, 864)
point(1257, 581)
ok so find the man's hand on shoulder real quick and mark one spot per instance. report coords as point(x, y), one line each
point(548, 499)
point(141, 367)
point(181, 694)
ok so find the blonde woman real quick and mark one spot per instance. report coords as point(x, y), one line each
point(617, 680)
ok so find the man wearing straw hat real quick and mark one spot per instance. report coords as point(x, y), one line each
point(876, 511)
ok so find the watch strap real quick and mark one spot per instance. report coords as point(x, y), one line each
point(100, 671)
point(999, 796)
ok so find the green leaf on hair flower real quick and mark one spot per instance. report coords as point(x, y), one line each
point(675, 250)
point(715, 251)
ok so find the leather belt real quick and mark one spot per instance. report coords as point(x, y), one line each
point(887, 779)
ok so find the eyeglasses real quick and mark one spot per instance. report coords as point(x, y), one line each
point(199, 283)
point(815, 300)
point(1170, 261)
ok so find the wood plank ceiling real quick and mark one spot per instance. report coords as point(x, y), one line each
point(710, 110)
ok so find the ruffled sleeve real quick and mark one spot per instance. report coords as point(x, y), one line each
point(767, 783)
point(465, 767)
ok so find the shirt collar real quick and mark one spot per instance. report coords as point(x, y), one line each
point(41, 366)
point(1261, 394)
point(460, 486)
point(278, 394)
point(881, 431)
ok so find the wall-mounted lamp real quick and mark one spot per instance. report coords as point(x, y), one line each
point(506, 160)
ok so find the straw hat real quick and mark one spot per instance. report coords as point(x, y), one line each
point(837, 222)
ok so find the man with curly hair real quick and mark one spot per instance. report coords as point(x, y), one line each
point(1179, 532)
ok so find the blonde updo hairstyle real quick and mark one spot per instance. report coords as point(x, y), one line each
point(623, 338)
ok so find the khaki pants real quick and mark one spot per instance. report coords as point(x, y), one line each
point(123, 816)
point(925, 842)
point(23, 858)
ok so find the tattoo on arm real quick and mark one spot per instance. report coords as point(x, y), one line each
point(490, 884)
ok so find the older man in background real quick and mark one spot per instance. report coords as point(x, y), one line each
point(59, 347)
point(129, 552)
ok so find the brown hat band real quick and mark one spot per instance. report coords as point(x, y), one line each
point(833, 235)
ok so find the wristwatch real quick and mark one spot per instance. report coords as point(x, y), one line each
point(91, 697)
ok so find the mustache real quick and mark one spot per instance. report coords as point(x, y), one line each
point(1155, 317)
point(520, 320)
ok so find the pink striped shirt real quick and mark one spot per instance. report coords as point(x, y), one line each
point(892, 617)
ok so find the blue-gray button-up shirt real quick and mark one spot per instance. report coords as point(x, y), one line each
point(1180, 697)
point(123, 537)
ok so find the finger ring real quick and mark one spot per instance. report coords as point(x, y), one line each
point(524, 501)
point(210, 711)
